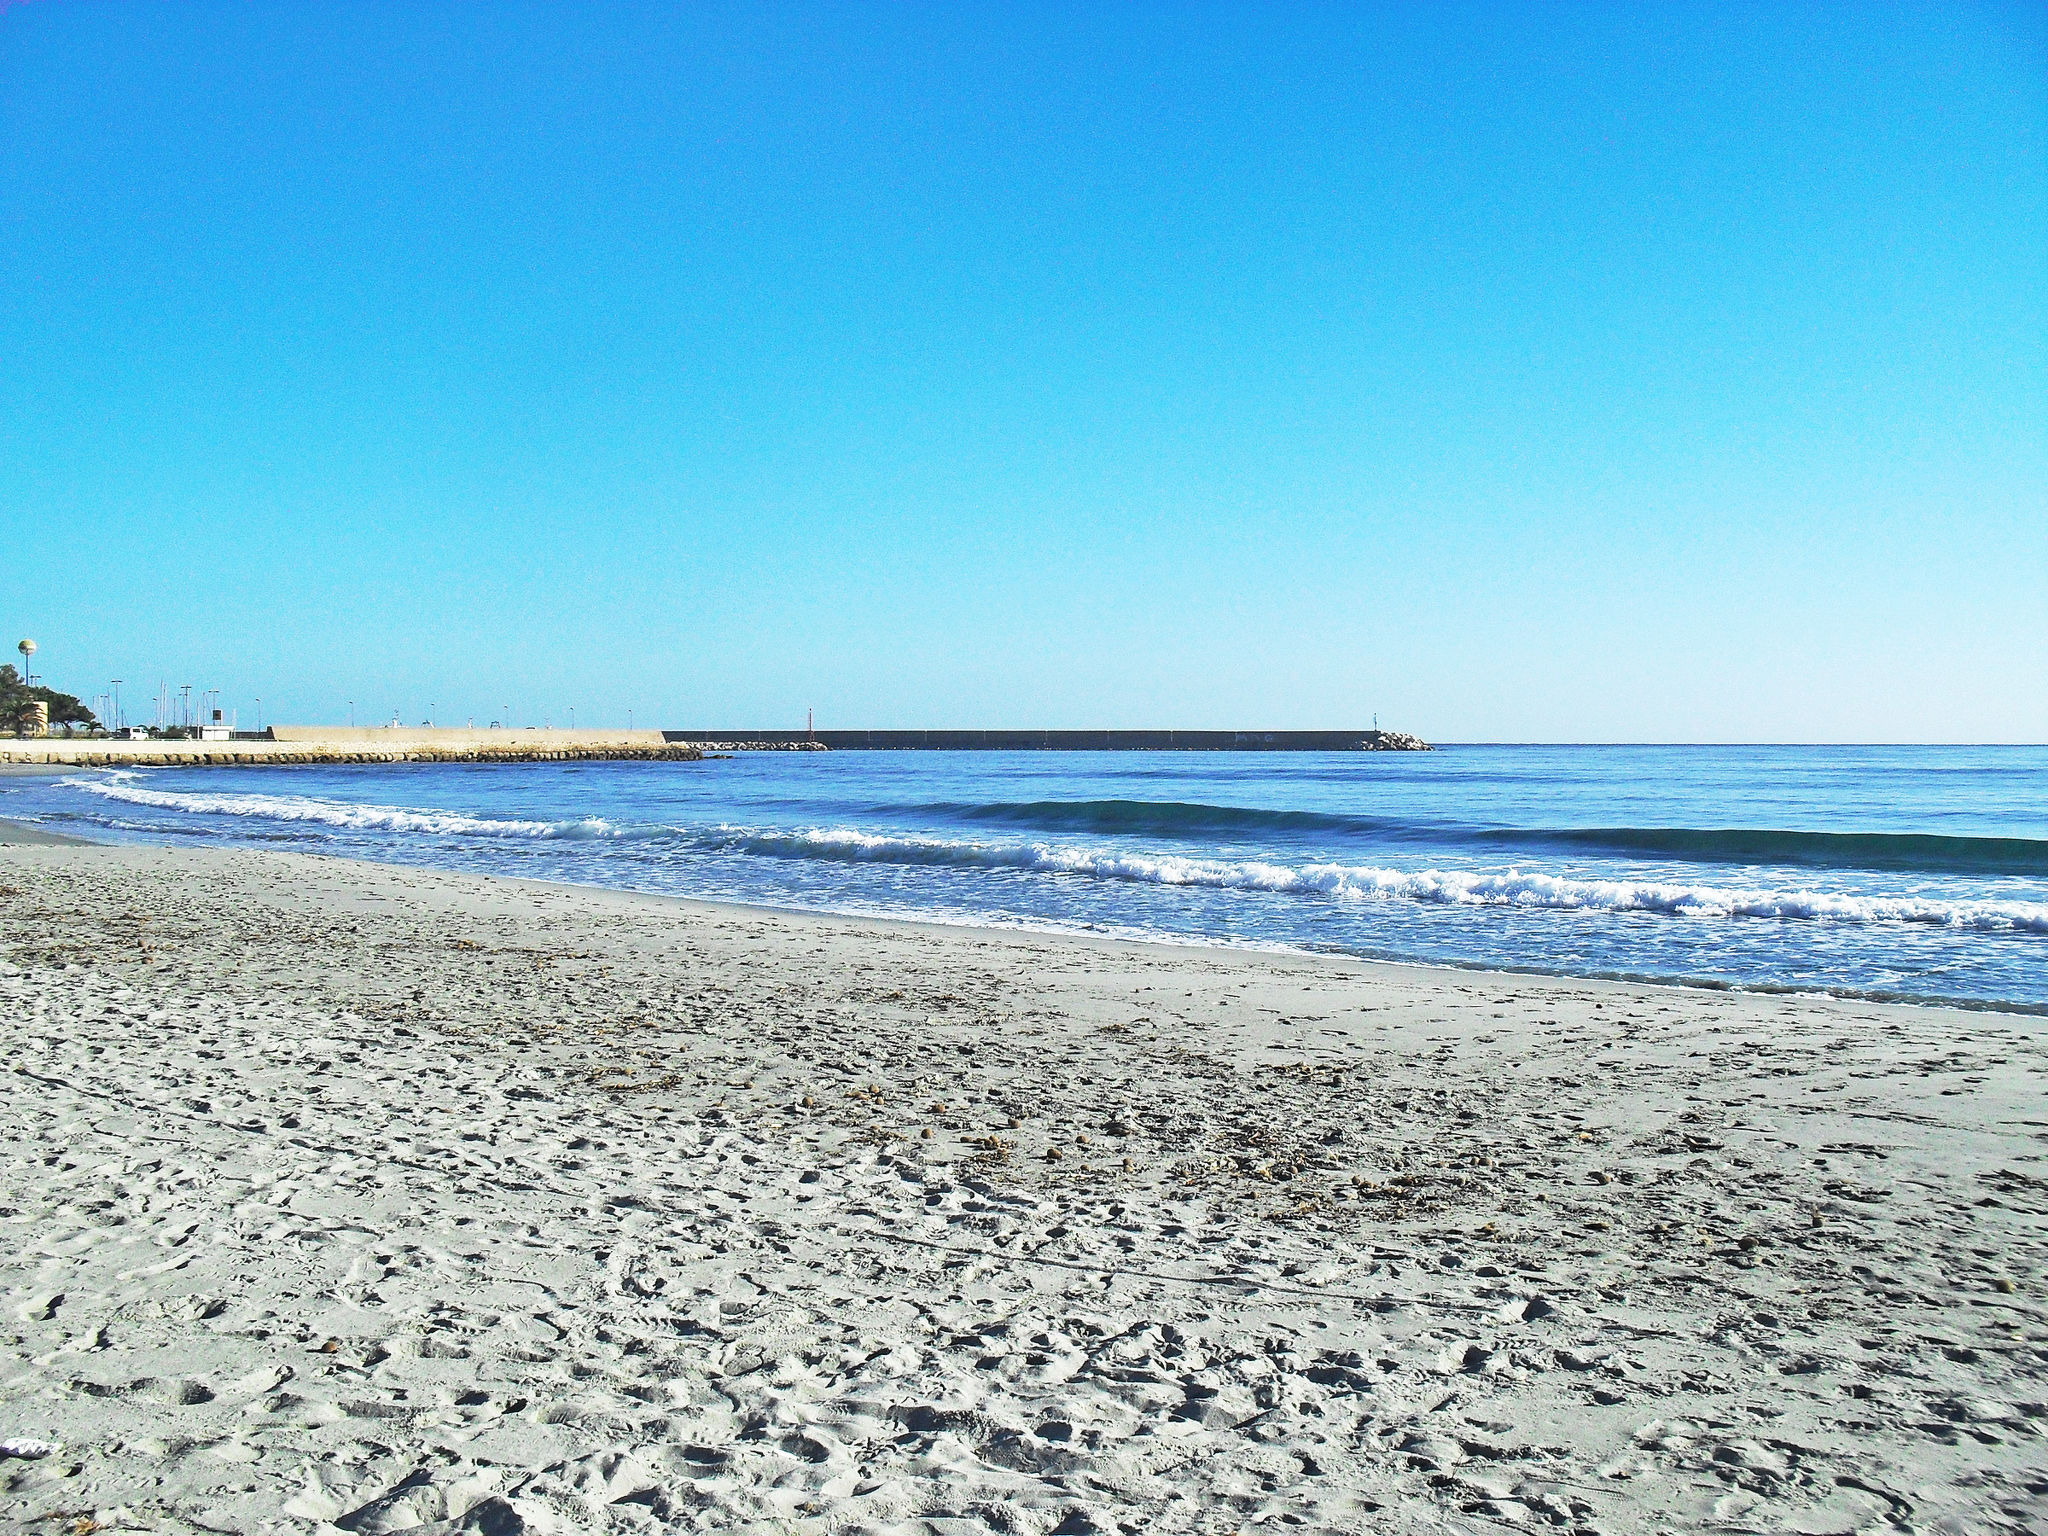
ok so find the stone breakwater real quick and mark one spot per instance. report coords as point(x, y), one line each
point(303, 745)
point(919, 740)
point(245, 754)
point(757, 746)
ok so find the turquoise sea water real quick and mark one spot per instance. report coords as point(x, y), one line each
point(1915, 872)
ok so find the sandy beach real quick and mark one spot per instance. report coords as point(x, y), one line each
point(342, 1196)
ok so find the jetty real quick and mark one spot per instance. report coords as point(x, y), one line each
point(304, 745)
point(1074, 741)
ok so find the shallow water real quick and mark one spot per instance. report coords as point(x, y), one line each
point(1917, 872)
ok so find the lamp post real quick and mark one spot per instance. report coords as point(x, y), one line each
point(117, 703)
point(28, 651)
point(351, 714)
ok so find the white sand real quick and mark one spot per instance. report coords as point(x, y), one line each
point(346, 1196)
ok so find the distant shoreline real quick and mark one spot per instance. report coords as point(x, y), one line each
point(300, 746)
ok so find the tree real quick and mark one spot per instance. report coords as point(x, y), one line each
point(15, 701)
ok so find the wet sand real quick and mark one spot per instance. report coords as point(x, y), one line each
point(22, 834)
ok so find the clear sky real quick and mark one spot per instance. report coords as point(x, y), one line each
point(1543, 372)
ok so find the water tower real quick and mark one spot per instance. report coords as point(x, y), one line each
point(27, 649)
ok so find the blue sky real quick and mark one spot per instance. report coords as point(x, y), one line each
point(1506, 372)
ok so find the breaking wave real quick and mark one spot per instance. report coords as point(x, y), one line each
point(1512, 888)
point(1509, 889)
point(336, 813)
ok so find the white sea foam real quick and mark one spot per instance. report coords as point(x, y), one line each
point(1511, 888)
point(1468, 888)
point(335, 813)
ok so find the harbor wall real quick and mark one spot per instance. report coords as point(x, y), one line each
point(1074, 741)
point(305, 744)
point(461, 736)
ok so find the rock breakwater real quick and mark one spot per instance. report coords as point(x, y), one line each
point(756, 745)
point(273, 754)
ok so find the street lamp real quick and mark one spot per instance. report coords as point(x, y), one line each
point(117, 703)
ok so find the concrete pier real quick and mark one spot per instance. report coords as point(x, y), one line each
point(1075, 741)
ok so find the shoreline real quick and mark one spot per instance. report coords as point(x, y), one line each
point(1173, 943)
point(22, 834)
point(25, 833)
point(489, 1200)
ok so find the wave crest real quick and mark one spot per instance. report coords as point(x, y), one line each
point(337, 813)
point(1931, 852)
point(1512, 888)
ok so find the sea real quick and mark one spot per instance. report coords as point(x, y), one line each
point(1896, 873)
